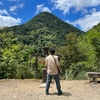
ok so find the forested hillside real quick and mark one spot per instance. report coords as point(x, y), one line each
point(44, 29)
point(19, 46)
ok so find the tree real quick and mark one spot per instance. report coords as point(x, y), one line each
point(78, 56)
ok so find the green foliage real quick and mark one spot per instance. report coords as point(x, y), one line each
point(76, 71)
point(20, 44)
point(15, 58)
point(87, 49)
point(94, 37)
point(7, 69)
point(40, 69)
point(24, 72)
point(44, 29)
point(82, 76)
point(79, 56)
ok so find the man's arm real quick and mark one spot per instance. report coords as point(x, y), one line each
point(58, 64)
point(46, 63)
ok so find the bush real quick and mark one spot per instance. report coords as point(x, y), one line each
point(82, 76)
point(24, 73)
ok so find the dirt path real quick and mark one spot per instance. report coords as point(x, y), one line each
point(30, 90)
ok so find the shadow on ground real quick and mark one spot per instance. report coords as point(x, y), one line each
point(64, 94)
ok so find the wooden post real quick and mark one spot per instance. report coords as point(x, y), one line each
point(44, 75)
point(36, 66)
point(44, 71)
point(45, 49)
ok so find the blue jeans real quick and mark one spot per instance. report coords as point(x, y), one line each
point(57, 80)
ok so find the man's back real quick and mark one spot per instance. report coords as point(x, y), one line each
point(50, 63)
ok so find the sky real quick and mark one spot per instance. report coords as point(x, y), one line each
point(82, 14)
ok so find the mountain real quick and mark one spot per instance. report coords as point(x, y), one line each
point(51, 22)
point(45, 28)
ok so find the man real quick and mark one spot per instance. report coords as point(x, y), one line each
point(51, 63)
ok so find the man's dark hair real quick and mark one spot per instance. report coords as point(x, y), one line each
point(52, 51)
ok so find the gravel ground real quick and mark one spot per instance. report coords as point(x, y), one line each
point(29, 89)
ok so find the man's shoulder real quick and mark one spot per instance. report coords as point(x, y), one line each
point(48, 56)
point(55, 56)
point(51, 56)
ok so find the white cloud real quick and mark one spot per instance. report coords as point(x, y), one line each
point(78, 5)
point(14, 0)
point(21, 5)
point(85, 11)
point(9, 21)
point(45, 9)
point(93, 10)
point(3, 12)
point(1, 3)
point(85, 7)
point(6, 20)
point(41, 8)
point(13, 8)
point(88, 21)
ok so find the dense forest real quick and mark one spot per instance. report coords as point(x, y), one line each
point(22, 55)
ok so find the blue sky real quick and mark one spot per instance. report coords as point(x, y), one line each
point(83, 14)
